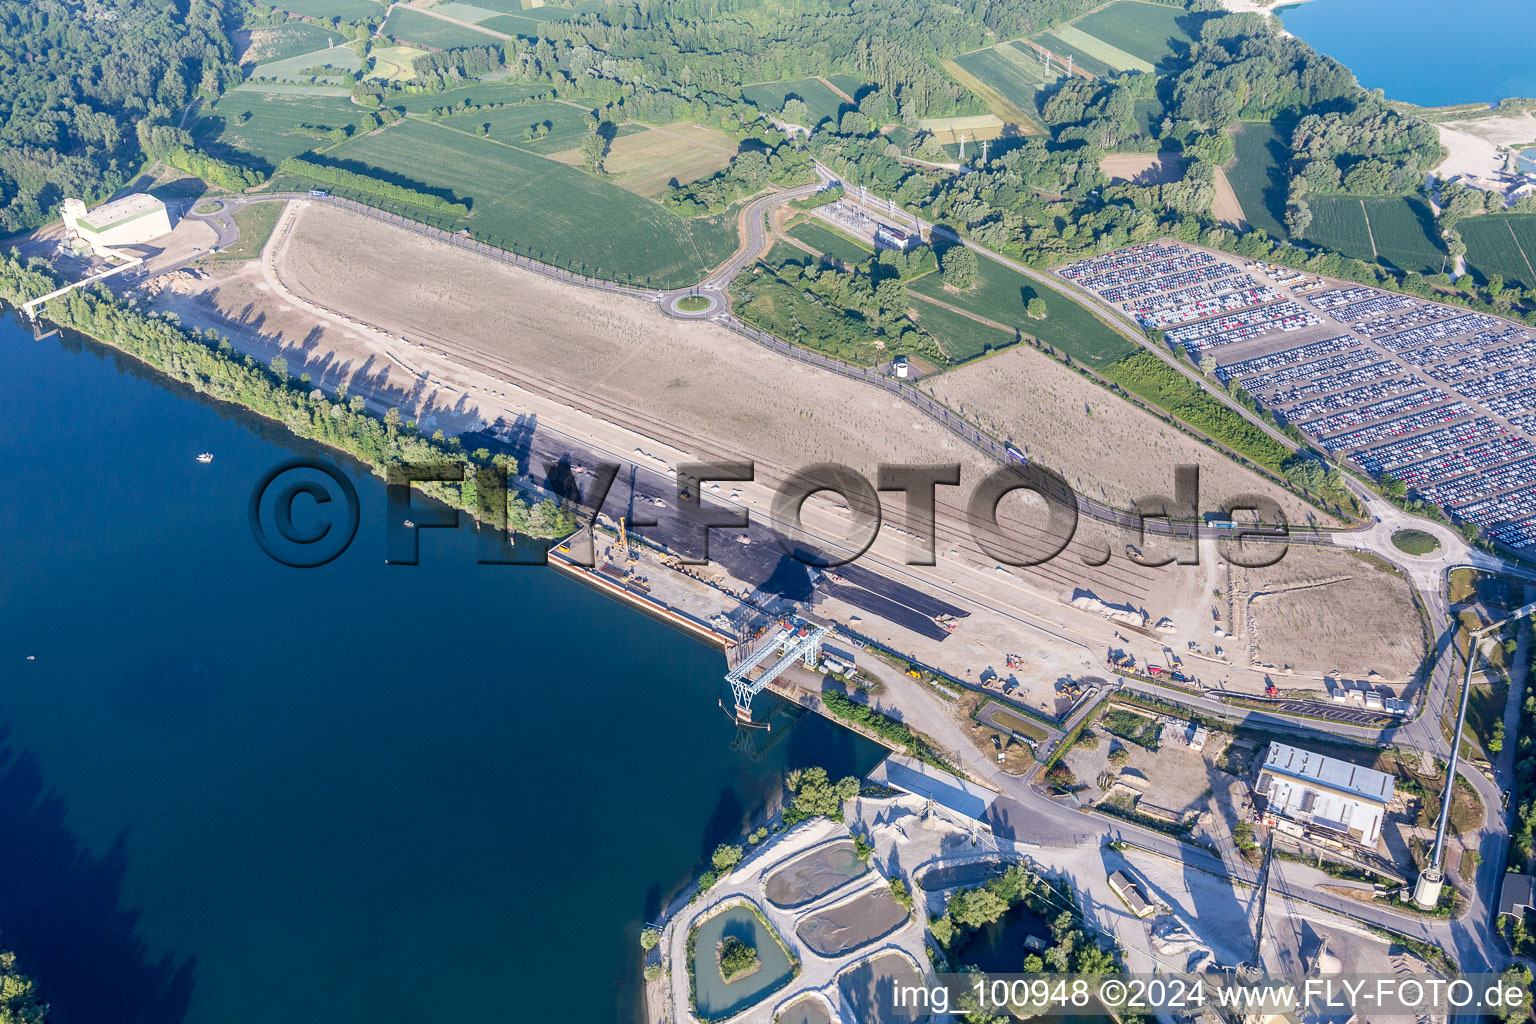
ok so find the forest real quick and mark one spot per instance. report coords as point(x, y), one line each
point(75, 82)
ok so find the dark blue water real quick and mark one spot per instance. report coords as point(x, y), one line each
point(237, 793)
point(1424, 51)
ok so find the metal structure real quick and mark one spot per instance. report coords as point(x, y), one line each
point(803, 644)
point(1426, 891)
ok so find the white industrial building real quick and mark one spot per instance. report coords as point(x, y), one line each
point(131, 220)
point(1334, 797)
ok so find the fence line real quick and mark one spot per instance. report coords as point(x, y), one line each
point(937, 411)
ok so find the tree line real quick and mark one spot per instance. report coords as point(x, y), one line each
point(367, 183)
point(210, 365)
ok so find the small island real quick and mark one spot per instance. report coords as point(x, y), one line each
point(737, 959)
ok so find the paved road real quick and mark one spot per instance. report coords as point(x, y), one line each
point(753, 224)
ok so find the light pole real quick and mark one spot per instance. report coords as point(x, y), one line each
point(1426, 891)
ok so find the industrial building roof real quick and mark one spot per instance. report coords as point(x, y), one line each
point(1342, 776)
point(1516, 896)
point(121, 210)
point(913, 776)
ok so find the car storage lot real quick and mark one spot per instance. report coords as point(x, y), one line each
point(1438, 397)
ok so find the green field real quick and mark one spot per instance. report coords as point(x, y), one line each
point(1061, 48)
point(551, 211)
point(255, 222)
point(346, 10)
point(294, 38)
point(415, 27)
point(270, 135)
point(1116, 58)
point(1258, 175)
point(960, 337)
point(1152, 32)
point(847, 83)
point(290, 69)
point(1405, 233)
point(478, 94)
point(827, 240)
point(508, 125)
point(467, 12)
point(1401, 227)
point(1145, 375)
point(1338, 222)
point(1503, 244)
point(1012, 72)
point(770, 96)
point(545, 14)
point(1001, 295)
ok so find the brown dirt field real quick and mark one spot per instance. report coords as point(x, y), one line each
point(692, 385)
point(647, 162)
point(1226, 209)
point(1105, 447)
point(585, 361)
point(1140, 168)
point(1324, 611)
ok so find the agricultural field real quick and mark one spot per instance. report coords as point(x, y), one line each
point(1116, 58)
point(1001, 295)
point(1503, 244)
point(1155, 34)
point(393, 63)
point(1062, 48)
point(269, 135)
point(544, 208)
point(846, 83)
point(1008, 79)
point(282, 41)
point(961, 338)
point(828, 240)
point(1338, 222)
point(974, 127)
point(1257, 175)
point(346, 10)
point(477, 94)
point(515, 17)
point(1405, 234)
point(645, 162)
point(770, 97)
point(291, 89)
point(467, 12)
point(292, 69)
point(1393, 230)
point(567, 125)
point(411, 26)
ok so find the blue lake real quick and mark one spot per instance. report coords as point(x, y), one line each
point(237, 793)
point(1424, 51)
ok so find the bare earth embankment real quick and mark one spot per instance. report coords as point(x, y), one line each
point(335, 293)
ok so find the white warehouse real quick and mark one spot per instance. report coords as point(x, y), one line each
point(131, 220)
point(1324, 793)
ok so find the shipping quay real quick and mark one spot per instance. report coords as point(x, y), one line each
point(749, 631)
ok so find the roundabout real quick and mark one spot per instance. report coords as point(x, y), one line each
point(693, 304)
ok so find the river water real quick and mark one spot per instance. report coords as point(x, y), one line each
point(1425, 51)
point(233, 792)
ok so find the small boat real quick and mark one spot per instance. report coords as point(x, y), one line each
point(206, 457)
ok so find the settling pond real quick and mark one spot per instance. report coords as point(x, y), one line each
point(714, 996)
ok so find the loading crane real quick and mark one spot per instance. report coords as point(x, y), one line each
point(791, 645)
